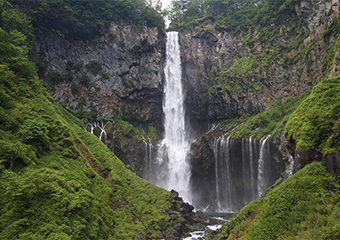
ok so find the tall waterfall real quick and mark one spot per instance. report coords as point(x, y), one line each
point(173, 166)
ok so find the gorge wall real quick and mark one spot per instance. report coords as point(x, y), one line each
point(119, 75)
point(122, 70)
point(228, 74)
point(116, 75)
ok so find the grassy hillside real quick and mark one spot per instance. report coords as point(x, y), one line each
point(56, 180)
point(306, 206)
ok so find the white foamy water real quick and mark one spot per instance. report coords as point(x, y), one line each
point(173, 150)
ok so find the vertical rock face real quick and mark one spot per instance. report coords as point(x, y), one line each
point(120, 70)
point(118, 74)
point(215, 92)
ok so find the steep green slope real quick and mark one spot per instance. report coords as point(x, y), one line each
point(306, 206)
point(268, 122)
point(56, 180)
point(316, 122)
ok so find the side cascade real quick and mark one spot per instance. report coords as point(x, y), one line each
point(148, 149)
point(102, 135)
point(264, 152)
point(243, 170)
point(225, 188)
point(172, 167)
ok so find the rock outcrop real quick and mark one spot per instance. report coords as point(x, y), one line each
point(116, 75)
point(122, 70)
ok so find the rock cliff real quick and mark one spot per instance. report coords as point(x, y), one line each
point(116, 75)
point(228, 74)
point(122, 69)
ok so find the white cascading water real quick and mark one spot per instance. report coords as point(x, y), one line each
point(251, 163)
point(291, 165)
point(173, 149)
point(223, 172)
point(148, 156)
point(245, 161)
point(101, 125)
point(260, 177)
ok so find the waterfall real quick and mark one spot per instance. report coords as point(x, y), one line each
point(245, 153)
point(223, 174)
point(101, 125)
point(174, 168)
point(261, 164)
point(148, 158)
point(291, 165)
point(243, 170)
point(217, 185)
point(251, 165)
point(102, 132)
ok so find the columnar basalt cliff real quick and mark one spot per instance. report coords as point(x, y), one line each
point(116, 75)
point(121, 69)
point(228, 74)
point(257, 116)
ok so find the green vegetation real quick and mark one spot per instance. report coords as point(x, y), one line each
point(232, 15)
point(86, 19)
point(331, 59)
point(58, 181)
point(270, 121)
point(127, 129)
point(95, 67)
point(54, 76)
point(74, 88)
point(316, 122)
point(84, 79)
point(306, 206)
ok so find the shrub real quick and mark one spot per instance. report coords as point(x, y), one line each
point(94, 67)
point(84, 79)
point(54, 76)
point(74, 88)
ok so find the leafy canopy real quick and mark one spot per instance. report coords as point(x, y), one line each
point(87, 18)
point(232, 15)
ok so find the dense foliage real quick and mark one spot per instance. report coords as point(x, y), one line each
point(268, 122)
point(306, 206)
point(232, 15)
point(56, 180)
point(316, 122)
point(85, 19)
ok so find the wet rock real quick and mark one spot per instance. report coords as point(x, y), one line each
point(332, 163)
point(305, 156)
